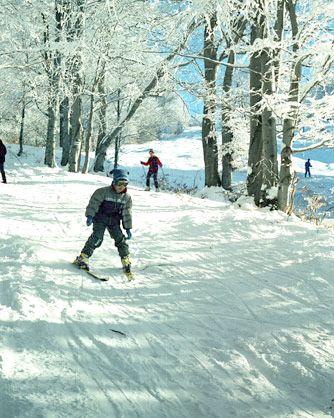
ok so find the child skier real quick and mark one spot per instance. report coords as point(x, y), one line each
point(154, 164)
point(107, 207)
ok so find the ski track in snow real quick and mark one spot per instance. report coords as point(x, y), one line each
point(230, 314)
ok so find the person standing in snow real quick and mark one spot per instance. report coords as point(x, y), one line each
point(154, 163)
point(108, 207)
point(307, 168)
point(3, 152)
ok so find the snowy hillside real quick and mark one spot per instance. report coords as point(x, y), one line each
point(230, 314)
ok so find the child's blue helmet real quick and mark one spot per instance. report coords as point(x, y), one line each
point(119, 175)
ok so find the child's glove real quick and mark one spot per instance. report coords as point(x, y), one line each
point(142, 162)
point(89, 220)
point(128, 233)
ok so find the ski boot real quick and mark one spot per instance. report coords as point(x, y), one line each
point(82, 261)
point(157, 189)
point(147, 189)
point(127, 268)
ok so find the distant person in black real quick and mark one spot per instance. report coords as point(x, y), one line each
point(3, 152)
point(307, 168)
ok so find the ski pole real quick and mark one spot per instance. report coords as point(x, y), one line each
point(164, 179)
point(144, 172)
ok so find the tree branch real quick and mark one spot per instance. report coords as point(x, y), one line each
point(312, 147)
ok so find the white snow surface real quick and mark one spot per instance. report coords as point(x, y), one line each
point(230, 313)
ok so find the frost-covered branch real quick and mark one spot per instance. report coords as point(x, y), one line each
point(320, 144)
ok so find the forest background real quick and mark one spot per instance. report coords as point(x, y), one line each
point(256, 75)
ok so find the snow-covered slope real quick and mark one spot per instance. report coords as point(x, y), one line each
point(230, 315)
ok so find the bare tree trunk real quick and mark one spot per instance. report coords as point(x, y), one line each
point(50, 149)
point(64, 136)
point(209, 138)
point(76, 108)
point(76, 123)
point(52, 65)
point(286, 174)
point(269, 166)
point(102, 115)
point(88, 138)
point(119, 137)
point(262, 157)
point(279, 25)
point(23, 113)
point(289, 123)
point(227, 135)
point(88, 135)
point(292, 192)
point(64, 27)
point(254, 179)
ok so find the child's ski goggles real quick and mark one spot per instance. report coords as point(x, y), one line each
point(122, 183)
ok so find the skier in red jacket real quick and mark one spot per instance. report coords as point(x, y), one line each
point(154, 163)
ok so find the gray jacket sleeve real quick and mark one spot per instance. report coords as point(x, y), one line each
point(95, 202)
point(127, 213)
